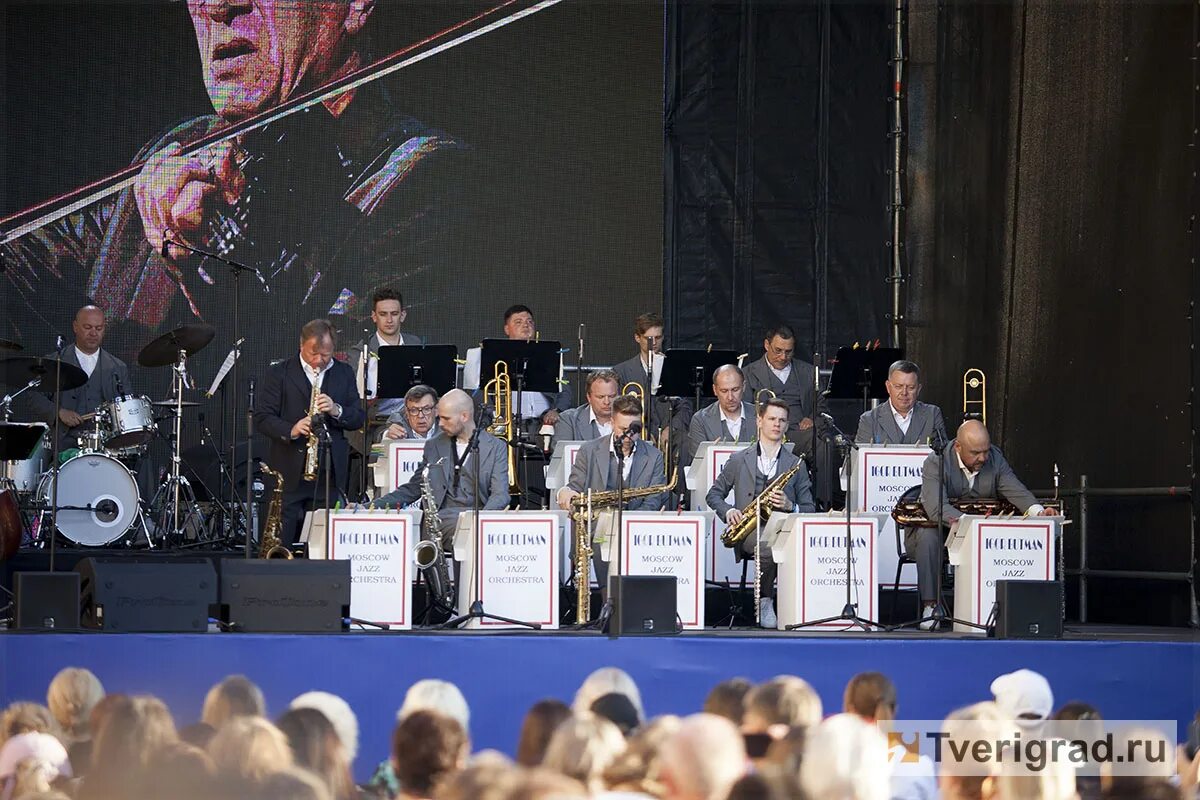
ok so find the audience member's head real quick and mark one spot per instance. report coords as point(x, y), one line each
point(488, 780)
point(338, 712)
point(1055, 781)
point(639, 768)
point(783, 700)
point(702, 759)
point(845, 759)
point(250, 747)
point(871, 696)
point(72, 695)
point(539, 725)
point(236, 696)
point(292, 783)
point(41, 748)
point(441, 696)
point(604, 681)
point(427, 749)
point(1077, 711)
point(978, 722)
point(727, 699)
point(132, 731)
point(1024, 696)
point(583, 747)
point(26, 718)
point(619, 710)
point(757, 786)
point(317, 748)
point(541, 783)
point(100, 712)
point(180, 771)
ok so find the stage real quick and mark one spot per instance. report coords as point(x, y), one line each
point(1129, 673)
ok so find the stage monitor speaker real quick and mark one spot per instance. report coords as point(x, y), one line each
point(46, 600)
point(147, 595)
point(1029, 610)
point(285, 596)
point(643, 605)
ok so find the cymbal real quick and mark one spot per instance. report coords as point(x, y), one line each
point(6, 344)
point(20, 370)
point(172, 403)
point(163, 351)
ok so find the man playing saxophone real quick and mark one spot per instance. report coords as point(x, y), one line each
point(748, 473)
point(596, 467)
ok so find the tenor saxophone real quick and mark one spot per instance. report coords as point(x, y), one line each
point(734, 534)
point(584, 510)
point(312, 451)
point(269, 544)
point(428, 555)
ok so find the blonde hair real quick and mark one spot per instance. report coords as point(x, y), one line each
point(638, 768)
point(607, 680)
point(783, 700)
point(583, 747)
point(72, 695)
point(845, 759)
point(236, 696)
point(704, 758)
point(25, 718)
point(250, 747)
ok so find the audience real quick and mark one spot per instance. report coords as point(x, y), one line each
point(702, 759)
point(607, 680)
point(428, 748)
point(540, 721)
point(72, 695)
point(784, 700)
point(871, 697)
point(583, 747)
point(638, 769)
point(317, 748)
point(236, 696)
point(843, 759)
point(727, 699)
point(250, 748)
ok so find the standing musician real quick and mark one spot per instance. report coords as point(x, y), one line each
point(729, 419)
point(903, 419)
point(387, 312)
point(596, 466)
point(283, 416)
point(108, 378)
point(593, 419)
point(416, 419)
point(453, 469)
point(748, 472)
point(973, 468)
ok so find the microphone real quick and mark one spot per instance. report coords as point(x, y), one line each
point(634, 429)
point(251, 393)
point(582, 329)
point(203, 427)
point(59, 342)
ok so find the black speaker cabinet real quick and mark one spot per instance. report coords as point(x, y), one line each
point(1029, 610)
point(288, 596)
point(149, 596)
point(643, 605)
point(46, 600)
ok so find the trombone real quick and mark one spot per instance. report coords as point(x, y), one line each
point(497, 395)
point(637, 390)
point(974, 404)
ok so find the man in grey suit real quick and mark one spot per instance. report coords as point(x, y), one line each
point(903, 419)
point(597, 467)
point(416, 419)
point(729, 419)
point(108, 378)
point(593, 419)
point(453, 468)
point(972, 468)
point(747, 473)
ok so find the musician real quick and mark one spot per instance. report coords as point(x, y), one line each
point(453, 468)
point(903, 419)
point(387, 312)
point(648, 334)
point(108, 378)
point(596, 466)
point(593, 419)
point(282, 415)
point(416, 419)
point(729, 419)
point(748, 472)
point(971, 468)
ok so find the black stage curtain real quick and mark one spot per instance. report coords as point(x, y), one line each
point(776, 197)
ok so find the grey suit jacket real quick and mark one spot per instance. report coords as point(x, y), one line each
point(797, 392)
point(101, 387)
point(440, 453)
point(707, 426)
point(878, 426)
point(576, 424)
point(592, 464)
point(739, 474)
point(995, 480)
point(677, 411)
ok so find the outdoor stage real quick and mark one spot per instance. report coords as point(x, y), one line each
point(1128, 673)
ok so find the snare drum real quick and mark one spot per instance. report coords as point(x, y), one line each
point(97, 499)
point(128, 422)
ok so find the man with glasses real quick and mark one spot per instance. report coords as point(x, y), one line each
point(415, 420)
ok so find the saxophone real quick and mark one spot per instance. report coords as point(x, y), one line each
point(269, 544)
point(428, 554)
point(312, 451)
point(734, 534)
point(584, 510)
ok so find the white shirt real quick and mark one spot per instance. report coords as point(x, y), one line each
point(604, 429)
point(782, 374)
point(373, 366)
point(768, 464)
point(318, 378)
point(627, 464)
point(902, 421)
point(656, 378)
point(87, 362)
point(734, 425)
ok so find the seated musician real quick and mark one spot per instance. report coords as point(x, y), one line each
point(972, 469)
point(596, 466)
point(747, 473)
point(593, 419)
point(669, 416)
point(415, 419)
point(729, 419)
point(903, 419)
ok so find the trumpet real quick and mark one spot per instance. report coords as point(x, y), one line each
point(497, 395)
point(975, 395)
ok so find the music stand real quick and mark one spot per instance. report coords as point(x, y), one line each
point(689, 373)
point(860, 372)
point(404, 366)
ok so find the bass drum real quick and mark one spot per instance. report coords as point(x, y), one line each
point(97, 499)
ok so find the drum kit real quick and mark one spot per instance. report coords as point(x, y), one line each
point(98, 501)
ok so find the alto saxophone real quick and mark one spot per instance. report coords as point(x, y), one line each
point(734, 534)
point(428, 555)
point(584, 510)
point(269, 544)
point(312, 451)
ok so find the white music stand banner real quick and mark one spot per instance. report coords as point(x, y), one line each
point(655, 543)
point(881, 474)
point(517, 569)
point(984, 550)
point(379, 546)
point(403, 456)
point(811, 553)
point(561, 462)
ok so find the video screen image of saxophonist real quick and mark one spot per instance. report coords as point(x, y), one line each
point(770, 471)
point(303, 398)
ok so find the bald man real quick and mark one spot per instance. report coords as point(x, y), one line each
point(452, 469)
point(108, 377)
point(972, 468)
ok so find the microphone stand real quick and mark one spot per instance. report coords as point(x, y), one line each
point(579, 366)
point(605, 621)
point(366, 406)
point(249, 466)
point(54, 450)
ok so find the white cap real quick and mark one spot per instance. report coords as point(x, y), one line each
point(1021, 693)
point(40, 746)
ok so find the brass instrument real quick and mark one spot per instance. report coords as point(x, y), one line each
point(734, 534)
point(497, 395)
point(585, 507)
point(312, 450)
point(269, 544)
point(758, 396)
point(428, 555)
point(975, 395)
point(911, 513)
point(636, 389)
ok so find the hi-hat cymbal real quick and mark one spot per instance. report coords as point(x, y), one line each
point(7, 344)
point(164, 350)
point(172, 403)
point(19, 370)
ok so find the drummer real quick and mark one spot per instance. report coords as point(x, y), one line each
point(107, 378)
